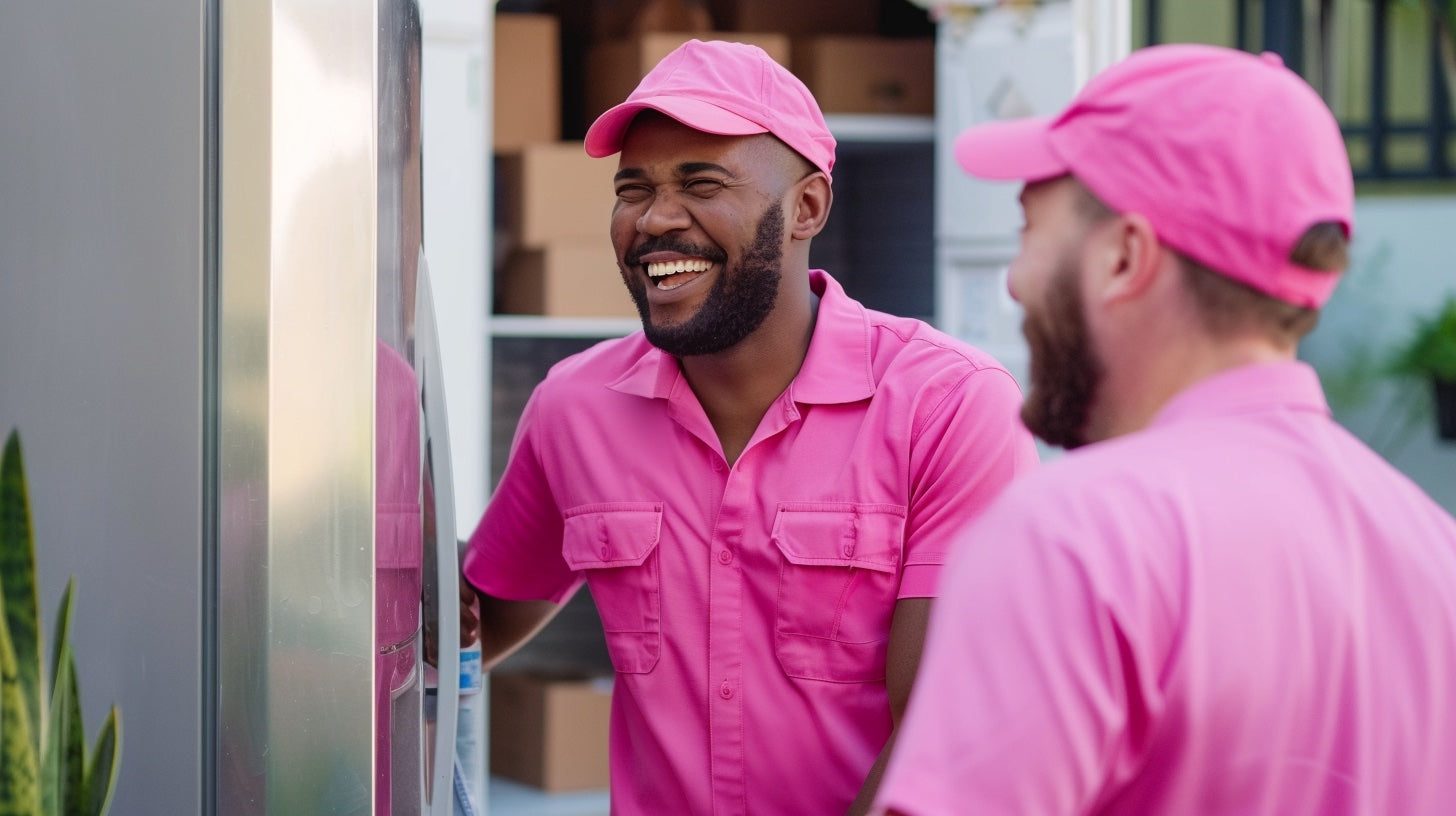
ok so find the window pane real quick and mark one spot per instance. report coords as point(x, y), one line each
point(1359, 148)
point(1406, 153)
point(1211, 21)
point(1350, 87)
point(1138, 17)
point(1407, 63)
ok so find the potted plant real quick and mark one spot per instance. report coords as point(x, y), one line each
point(44, 766)
point(1430, 354)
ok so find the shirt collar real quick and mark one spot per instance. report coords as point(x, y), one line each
point(651, 376)
point(836, 369)
point(1292, 385)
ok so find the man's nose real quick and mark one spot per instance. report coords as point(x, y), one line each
point(664, 214)
point(1009, 273)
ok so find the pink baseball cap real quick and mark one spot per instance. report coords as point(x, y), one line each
point(1230, 156)
point(725, 88)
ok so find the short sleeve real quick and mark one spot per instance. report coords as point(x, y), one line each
point(1018, 706)
point(515, 551)
point(969, 446)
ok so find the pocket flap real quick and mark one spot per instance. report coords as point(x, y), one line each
point(841, 534)
point(613, 534)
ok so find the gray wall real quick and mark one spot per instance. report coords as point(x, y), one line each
point(1403, 264)
point(101, 355)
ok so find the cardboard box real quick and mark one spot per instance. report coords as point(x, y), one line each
point(527, 107)
point(549, 193)
point(621, 19)
point(614, 68)
point(799, 17)
point(550, 730)
point(564, 280)
point(868, 74)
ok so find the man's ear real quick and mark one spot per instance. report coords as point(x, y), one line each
point(1126, 258)
point(811, 199)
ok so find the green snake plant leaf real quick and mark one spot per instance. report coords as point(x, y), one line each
point(63, 767)
point(17, 581)
point(105, 762)
point(19, 773)
point(61, 639)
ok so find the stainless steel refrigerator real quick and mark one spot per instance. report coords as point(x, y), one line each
point(217, 345)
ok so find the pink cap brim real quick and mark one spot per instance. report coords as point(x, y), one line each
point(1014, 149)
point(605, 135)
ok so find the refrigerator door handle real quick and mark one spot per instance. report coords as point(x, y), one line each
point(435, 446)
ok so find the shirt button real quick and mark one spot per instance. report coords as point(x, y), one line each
point(725, 557)
point(605, 551)
point(725, 691)
point(848, 549)
point(717, 465)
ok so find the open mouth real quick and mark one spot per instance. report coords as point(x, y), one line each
point(669, 275)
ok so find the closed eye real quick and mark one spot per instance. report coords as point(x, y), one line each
point(703, 187)
point(633, 193)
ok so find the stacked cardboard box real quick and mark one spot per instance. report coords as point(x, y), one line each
point(799, 18)
point(868, 75)
point(837, 50)
point(556, 206)
point(550, 730)
point(554, 254)
point(527, 80)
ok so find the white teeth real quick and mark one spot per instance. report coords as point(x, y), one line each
point(663, 268)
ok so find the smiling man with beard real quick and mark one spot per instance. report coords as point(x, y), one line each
point(1220, 602)
point(759, 487)
point(738, 302)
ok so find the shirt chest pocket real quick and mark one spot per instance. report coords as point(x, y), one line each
point(839, 577)
point(615, 545)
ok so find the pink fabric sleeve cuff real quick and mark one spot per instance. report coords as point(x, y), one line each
point(494, 583)
point(920, 581)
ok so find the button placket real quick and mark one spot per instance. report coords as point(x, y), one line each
point(725, 553)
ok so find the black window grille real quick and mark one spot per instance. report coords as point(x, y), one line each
point(1378, 63)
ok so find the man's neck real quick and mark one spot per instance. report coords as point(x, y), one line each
point(1134, 391)
point(737, 386)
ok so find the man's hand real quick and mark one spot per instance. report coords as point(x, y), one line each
point(469, 614)
point(500, 626)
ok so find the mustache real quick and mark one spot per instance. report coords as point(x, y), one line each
point(713, 254)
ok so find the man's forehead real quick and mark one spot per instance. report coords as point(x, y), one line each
point(1055, 188)
point(656, 129)
point(671, 150)
point(686, 168)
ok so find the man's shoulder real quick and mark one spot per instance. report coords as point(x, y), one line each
point(912, 341)
point(1100, 481)
point(598, 364)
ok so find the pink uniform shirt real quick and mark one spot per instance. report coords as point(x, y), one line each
point(1240, 610)
point(747, 609)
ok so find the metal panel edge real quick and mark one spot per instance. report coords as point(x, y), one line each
point(207, 748)
point(296, 350)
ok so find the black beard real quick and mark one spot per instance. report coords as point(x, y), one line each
point(1065, 371)
point(737, 304)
